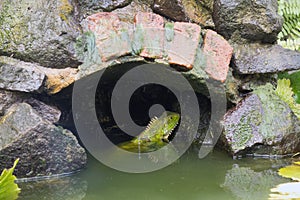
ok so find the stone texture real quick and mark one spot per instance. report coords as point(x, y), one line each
point(23, 76)
point(112, 35)
point(128, 13)
point(252, 20)
point(218, 54)
point(39, 31)
point(49, 113)
point(181, 43)
point(20, 76)
point(43, 148)
point(262, 125)
point(113, 41)
point(148, 38)
point(91, 7)
point(260, 59)
point(186, 10)
point(8, 98)
point(58, 79)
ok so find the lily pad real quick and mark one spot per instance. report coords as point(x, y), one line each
point(292, 171)
point(9, 190)
point(286, 191)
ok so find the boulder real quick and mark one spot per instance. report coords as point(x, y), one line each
point(252, 20)
point(91, 7)
point(43, 148)
point(43, 32)
point(20, 76)
point(259, 58)
point(8, 98)
point(261, 125)
point(23, 76)
point(199, 12)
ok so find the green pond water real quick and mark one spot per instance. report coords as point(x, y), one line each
point(217, 176)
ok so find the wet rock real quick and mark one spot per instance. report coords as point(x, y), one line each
point(217, 52)
point(91, 7)
point(186, 10)
point(23, 76)
point(256, 58)
point(43, 148)
point(20, 76)
point(8, 98)
point(128, 13)
point(252, 20)
point(49, 113)
point(58, 79)
point(43, 32)
point(262, 125)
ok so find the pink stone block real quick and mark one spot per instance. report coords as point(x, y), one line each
point(113, 37)
point(149, 34)
point(181, 50)
point(218, 53)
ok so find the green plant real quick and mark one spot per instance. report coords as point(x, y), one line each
point(285, 92)
point(9, 190)
point(289, 37)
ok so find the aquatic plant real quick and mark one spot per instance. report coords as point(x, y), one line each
point(285, 92)
point(289, 37)
point(9, 190)
point(288, 190)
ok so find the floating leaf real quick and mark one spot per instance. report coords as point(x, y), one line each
point(292, 171)
point(9, 190)
point(286, 191)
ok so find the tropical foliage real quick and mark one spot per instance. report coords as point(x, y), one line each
point(285, 92)
point(289, 37)
point(9, 190)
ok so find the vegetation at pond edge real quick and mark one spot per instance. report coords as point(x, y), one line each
point(288, 190)
point(9, 190)
point(289, 37)
point(285, 92)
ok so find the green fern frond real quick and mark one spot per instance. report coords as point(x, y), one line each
point(290, 35)
point(285, 92)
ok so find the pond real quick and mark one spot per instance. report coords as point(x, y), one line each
point(217, 176)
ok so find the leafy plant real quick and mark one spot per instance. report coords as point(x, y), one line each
point(295, 83)
point(289, 37)
point(9, 190)
point(285, 92)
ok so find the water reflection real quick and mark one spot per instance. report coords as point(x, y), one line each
point(215, 177)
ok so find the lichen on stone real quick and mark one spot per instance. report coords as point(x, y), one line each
point(169, 31)
point(138, 39)
point(65, 9)
point(86, 49)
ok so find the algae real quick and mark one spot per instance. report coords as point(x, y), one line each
point(65, 9)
